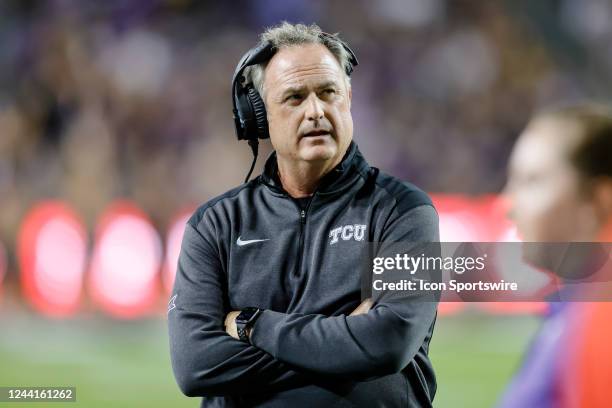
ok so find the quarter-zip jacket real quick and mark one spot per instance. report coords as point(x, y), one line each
point(255, 246)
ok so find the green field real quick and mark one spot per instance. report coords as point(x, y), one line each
point(126, 364)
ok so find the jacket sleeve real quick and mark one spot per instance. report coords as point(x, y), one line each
point(206, 360)
point(380, 342)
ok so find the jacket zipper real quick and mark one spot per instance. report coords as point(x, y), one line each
point(300, 251)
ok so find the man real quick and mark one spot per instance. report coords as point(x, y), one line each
point(560, 189)
point(281, 255)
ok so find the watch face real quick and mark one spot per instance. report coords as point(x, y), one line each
point(246, 314)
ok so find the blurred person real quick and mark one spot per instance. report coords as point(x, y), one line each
point(560, 190)
point(267, 309)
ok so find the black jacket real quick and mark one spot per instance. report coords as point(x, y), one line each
point(255, 246)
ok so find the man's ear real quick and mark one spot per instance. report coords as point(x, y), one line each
point(603, 199)
point(350, 93)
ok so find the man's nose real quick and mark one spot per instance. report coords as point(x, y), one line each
point(314, 108)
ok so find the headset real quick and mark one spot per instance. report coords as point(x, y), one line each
point(250, 117)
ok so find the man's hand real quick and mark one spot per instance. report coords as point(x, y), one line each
point(363, 307)
point(230, 324)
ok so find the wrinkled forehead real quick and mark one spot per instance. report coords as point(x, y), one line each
point(302, 65)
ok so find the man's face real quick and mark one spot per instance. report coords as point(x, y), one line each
point(308, 102)
point(548, 204)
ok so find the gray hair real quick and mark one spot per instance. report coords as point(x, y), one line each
point(287, 35)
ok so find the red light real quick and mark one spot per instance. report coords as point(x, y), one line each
point(126, 261)
point(52, 250)
point(460, 218)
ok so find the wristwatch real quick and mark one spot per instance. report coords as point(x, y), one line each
point(245, 320)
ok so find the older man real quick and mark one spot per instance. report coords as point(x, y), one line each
point(266, 305)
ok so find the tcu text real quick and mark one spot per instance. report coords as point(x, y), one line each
point(347, 232)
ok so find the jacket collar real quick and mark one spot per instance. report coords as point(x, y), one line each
point(340, 177)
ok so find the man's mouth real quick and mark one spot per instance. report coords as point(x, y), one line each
point(314, 133)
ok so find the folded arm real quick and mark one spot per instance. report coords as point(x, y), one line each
point(380, 342)
point(206, 361)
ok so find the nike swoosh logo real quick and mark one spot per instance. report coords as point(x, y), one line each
point(249, 241)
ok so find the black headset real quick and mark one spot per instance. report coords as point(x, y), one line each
point(250, 117)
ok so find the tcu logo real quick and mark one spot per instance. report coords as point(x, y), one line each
point(347, 232)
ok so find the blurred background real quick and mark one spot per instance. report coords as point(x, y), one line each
point(115, 123)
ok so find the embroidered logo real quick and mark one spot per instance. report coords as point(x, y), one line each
point(240, 242)
point(347, 232)
point(171, 304)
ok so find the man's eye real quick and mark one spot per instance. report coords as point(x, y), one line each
point(294, 97)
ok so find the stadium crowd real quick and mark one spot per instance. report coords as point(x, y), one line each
point(101, 100)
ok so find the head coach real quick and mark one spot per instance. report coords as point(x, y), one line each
point(267, 309)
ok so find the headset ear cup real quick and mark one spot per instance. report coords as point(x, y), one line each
point(259, 110)
point(242, 116)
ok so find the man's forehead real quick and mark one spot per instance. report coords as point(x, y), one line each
point(300, 62)
point(534, 152)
